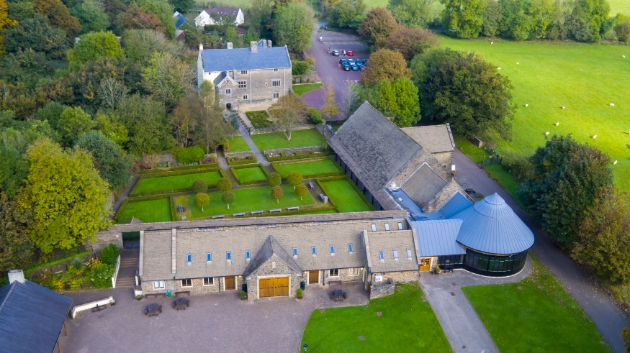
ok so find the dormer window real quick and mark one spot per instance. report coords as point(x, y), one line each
point(313, 250)
point(373, 227)
point(228, 255)
point(400, 227)
point(209, 257)
point(189, 258)
point(332, 250)
point(350, 248)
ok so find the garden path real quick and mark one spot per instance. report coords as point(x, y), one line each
point(223, 164)
point(252, 146)
point(124, 195)
point(460, 322)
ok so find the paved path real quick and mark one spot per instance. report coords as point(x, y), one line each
point(223, 164)
point(124, 195)
point(462, 326)
point(598, 305)
point(252, 146)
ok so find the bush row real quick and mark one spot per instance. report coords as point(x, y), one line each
point(150, 172)
point(190, 169)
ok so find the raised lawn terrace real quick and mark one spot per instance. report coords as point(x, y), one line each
point(308, 168)
point(407, 324)
point(300, 138)
point(249, 175)
point(157, 210)
point(237, 144)
point(344, 196)
point(154, 185)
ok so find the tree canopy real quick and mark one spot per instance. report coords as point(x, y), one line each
point(376, 28)
point(293, 26)
point(411, 41)
point(288, 111)
point(346, 13)
point(137, 18)
point(95, 45)
point(16, 249)
point(463, 18)
point(412, 13)
point(202, 200)
point(113, 165)
point(384, 64)
point(58, 16)
point(73, 123)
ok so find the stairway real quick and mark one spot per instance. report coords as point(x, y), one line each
point(128, 266)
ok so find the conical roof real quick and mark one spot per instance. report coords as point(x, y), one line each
point(491, 226)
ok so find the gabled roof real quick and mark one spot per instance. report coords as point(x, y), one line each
point(423, 185)
point(454, 205)
point(218, 60)
point(180, 20)
point(31, 317)
point(270, 248)
point(224, 10)
point(436, 138)
point(388, 242)
point(438, 237)
point(490, 226)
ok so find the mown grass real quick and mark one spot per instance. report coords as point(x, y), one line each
point(247, 175)
point(300, 138)
point(407, 324)
point(302, 88)
point(345, 196)
point(534, 315)
point(584, 78)
point(237, 144)
point(147, 211)
point(165, 183)
point(308, 168)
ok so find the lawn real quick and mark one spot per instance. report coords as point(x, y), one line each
point(534, 315)
point(175, 182)
point(249, 199)
point(617, 6)
point(237, 144)
point(300, 138)
point(344, 196)
point(147, 211)
point(407, 324)
point(585, 78)
point(249, 175)
point(308, 168)
point(300, 89)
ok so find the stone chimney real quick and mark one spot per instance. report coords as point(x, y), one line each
point(230, 45)
point(253, 46)
point(16, 275)
point(200, 47)
point(264, 43)
point(269, 43)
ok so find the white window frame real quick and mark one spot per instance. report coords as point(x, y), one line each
point(295, 252)
point(330, 272)
point(187, 279)
point(276, 95)
point(400, 226)
point(409, 254)
point(373, 227)
point(208, 279)
point(395, 254)
point(354, 271)
point(332, 250)
point(387, 227)
point(273, 83)
point(243, 72)
point(228, 91)
point(381, 255)
point(245, 97)
point(242, 84)
point(159, 284)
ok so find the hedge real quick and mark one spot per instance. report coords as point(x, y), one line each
point(233, 161)
point(284, 157)
point(171, 202)
point(354, 186)
point(174, 169)
point(190, 169)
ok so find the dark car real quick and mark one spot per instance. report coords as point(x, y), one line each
point(351, 62)
point(335, 53)
point(346, 67)
point(363, 61)
point(343, 61)
point(354, 67)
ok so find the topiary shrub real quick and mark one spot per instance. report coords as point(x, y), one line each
point(314, 115)
point(109, 255)
point(224, 184)
point(199, 186)
point(190, 155)
point(274, 179)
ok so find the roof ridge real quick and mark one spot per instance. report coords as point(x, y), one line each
point(8, 295)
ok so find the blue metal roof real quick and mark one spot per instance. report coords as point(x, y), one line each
point(438, 237)
point(490, 226)
point(243, 59)
point(455, 204)
point(180, 20)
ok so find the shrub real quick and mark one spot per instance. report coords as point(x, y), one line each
point(299, 293)
point(94, 263)
point(243, 295)
point(57, 284)
point(295, 178)
point(301, 190)
point(199, 186)
point(75, 283)
point(78, 264)
point(518, 165)
point(259, 118)
point(224, 184)
point(202, 200)
point(190, 155)
point(277, 193)
point(228, 198)
point(109, 255)
point(314, 115)
point(274, 179)
point(300, 67)
point(101, 276)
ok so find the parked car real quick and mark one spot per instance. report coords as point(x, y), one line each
point(335, 53)
point(354, 67)
point(360, 66)
point(343, 61)
point(346, 67)
point(350, 53)
point(351, 62)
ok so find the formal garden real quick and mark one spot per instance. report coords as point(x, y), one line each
point(300, 138)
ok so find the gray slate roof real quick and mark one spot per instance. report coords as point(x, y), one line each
point(436, 138)
point(454, 205)
point(156, 255)
point(438, 237)
point(387, 242)
point(490, 226)
point(31, 317)
point(270, 248)
point(423, 185)
point(217, 60)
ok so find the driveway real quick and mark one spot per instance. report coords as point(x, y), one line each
point(598, 305)
point(219, 322)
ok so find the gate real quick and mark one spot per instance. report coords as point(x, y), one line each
point(273, 287)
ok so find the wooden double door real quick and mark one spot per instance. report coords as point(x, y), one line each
point(273, 287)
point(230, 283)
point(313, 277)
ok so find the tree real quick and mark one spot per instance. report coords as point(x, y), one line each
point(182, 5)
point(16, 250)
point(293, 26)
point(625, 334)
point(184, 120)
point(567, 177)
point(168, 78)
point(277, 192)
point(190, 155)
point(377, 27)
point(137, 18)
point(295, 178)
point(330, 106)
point(604, 237)
point(224, 184)
point(66, 195)
point(288, 111)
point(111, 92)
point(163, 10)
point(412, 13)
point(385, 64)
point(147, 123)
point(227, 198)
point(587, 19)
point(73, 123)
point(95, 45)
point(398, 101)
point(58, 16)
point(301, 190)
point(111, 127)
point(411, 41)
point(150, 160)
point(13, 170)
point(51, 112)
point(91, 15)
point(5, 21)
point(140, 44)
point(274, 179)
point(492, 18)
point(34, 33)
point(347, 13)
point(199, 186)
point(315, 116)
point(463, 18)
point(202, 200)
point(113, 165)
point(623, 32)
point(465, 91)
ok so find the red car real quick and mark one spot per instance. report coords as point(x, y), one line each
point(350, 53)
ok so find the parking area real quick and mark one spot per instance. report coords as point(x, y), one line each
point(219, 322)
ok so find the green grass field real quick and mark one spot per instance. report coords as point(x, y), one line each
point(534, 315)
point(585, 78)
point(237, 144)
point(165, 183)
point(249, 199)
point(300, 138)
point(302, 88)
point(407, 324)
point(308, 168)
point(617, 6)
point(251, 174)
point(344, 196)
point(147, 211)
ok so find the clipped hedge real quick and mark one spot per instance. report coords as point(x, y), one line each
point(189, 169)
point(284, 157)
point(354, 186)
point(259, 118)
point(171, 203)
point(234, 161)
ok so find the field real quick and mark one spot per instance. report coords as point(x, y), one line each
point(300, 89)
point(344, 196)
point(166, 183)
point(249, 175)
point(407, 324)
point(534, 315)
point(585, 78)
point(147, 211)
point(617, 6)
point(307, 168)
point(300, 138)
point(237, 144)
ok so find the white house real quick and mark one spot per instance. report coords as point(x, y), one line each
point(205, 17)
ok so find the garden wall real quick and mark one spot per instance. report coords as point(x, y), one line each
point(309, 77)
point(273, 129)
point(293, 150)
point(382, 290)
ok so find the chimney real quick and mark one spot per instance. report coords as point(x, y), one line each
point(200, 47)
point(230, 45)
point(264, 43)
point(269, 43)
point(253, 46)
point(16, 275)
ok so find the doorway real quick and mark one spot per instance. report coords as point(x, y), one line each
point(230, 283)
point(273, 287)
point(313, 277)
point(425, 265)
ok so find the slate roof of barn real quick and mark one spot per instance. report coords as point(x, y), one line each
point(436, 138)
point(423, 185)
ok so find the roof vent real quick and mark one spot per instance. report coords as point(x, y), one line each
point(230, 45)
point(16, 275)
point(393, 186)
point(253, 46)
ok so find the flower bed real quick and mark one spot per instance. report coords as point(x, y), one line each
point(259, 118)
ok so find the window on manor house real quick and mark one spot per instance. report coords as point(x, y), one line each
point(208, 281)
point(276, 95)
point(228, 91)
point(242, 84)
point(275, 83)
point(334, 272)
point(187, 282)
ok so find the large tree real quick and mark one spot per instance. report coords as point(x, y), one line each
point(412, 13)
point(91, 15)
point(288, 112)
point(73, 123)
point(34, 33)
point(411, 41)
point(5, 20)
point(114, 166)
point(293, 27)
point(587, 20)
point(66, 195)
point(463, 18)
point(182, 5)
point(465, 91)
point(567, 177)
point(385, 64)
point(162, 9)
point(95, 45)
point(140, 44)
point(399, 101)
point(168, 78)
point(13, 169)
point(137, 18)
point(377, 27)
point(347, 13)
point(16, 249)
point(58, 16)
point(147, 123)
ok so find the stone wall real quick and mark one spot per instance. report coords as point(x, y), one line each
point(344, 276)
point(272, 129)
point(175, 285)
point(274, 267)
point(388, 287)
point(292, 151)
point(309, 77)
point(103, 239)
point(259, 87)
point(397, 277)
point(241, 155)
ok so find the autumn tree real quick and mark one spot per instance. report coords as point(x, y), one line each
point(224, 184)
point(112, 163)
point(34, 33)
point(168, 78)
point(111, 91)
point(199, 186)
point(330, 106)
point(184, 120)
point(385, 64)
point(411, 41)
point(5, 21)
point(150, 160)
point(377, 27)
point(162, 9)
point(463, 18)
point(111, 127)
point(202, 200)
point(274, 179)
point(16, 250)
point(295, 178)
point(58, 16)
point(227, 197)
point(67, 196)
point(137, 18)
point(301, 190)
point(73, 123)
point(288, 111)
point(95, 45)
point(277, 192)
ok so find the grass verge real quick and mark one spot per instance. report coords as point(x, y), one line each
point(164, 184)
point(302, 88)
point(249, 175)
point(343, 195)
point(237, 144)
point(308, 168)
point(152, 210)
